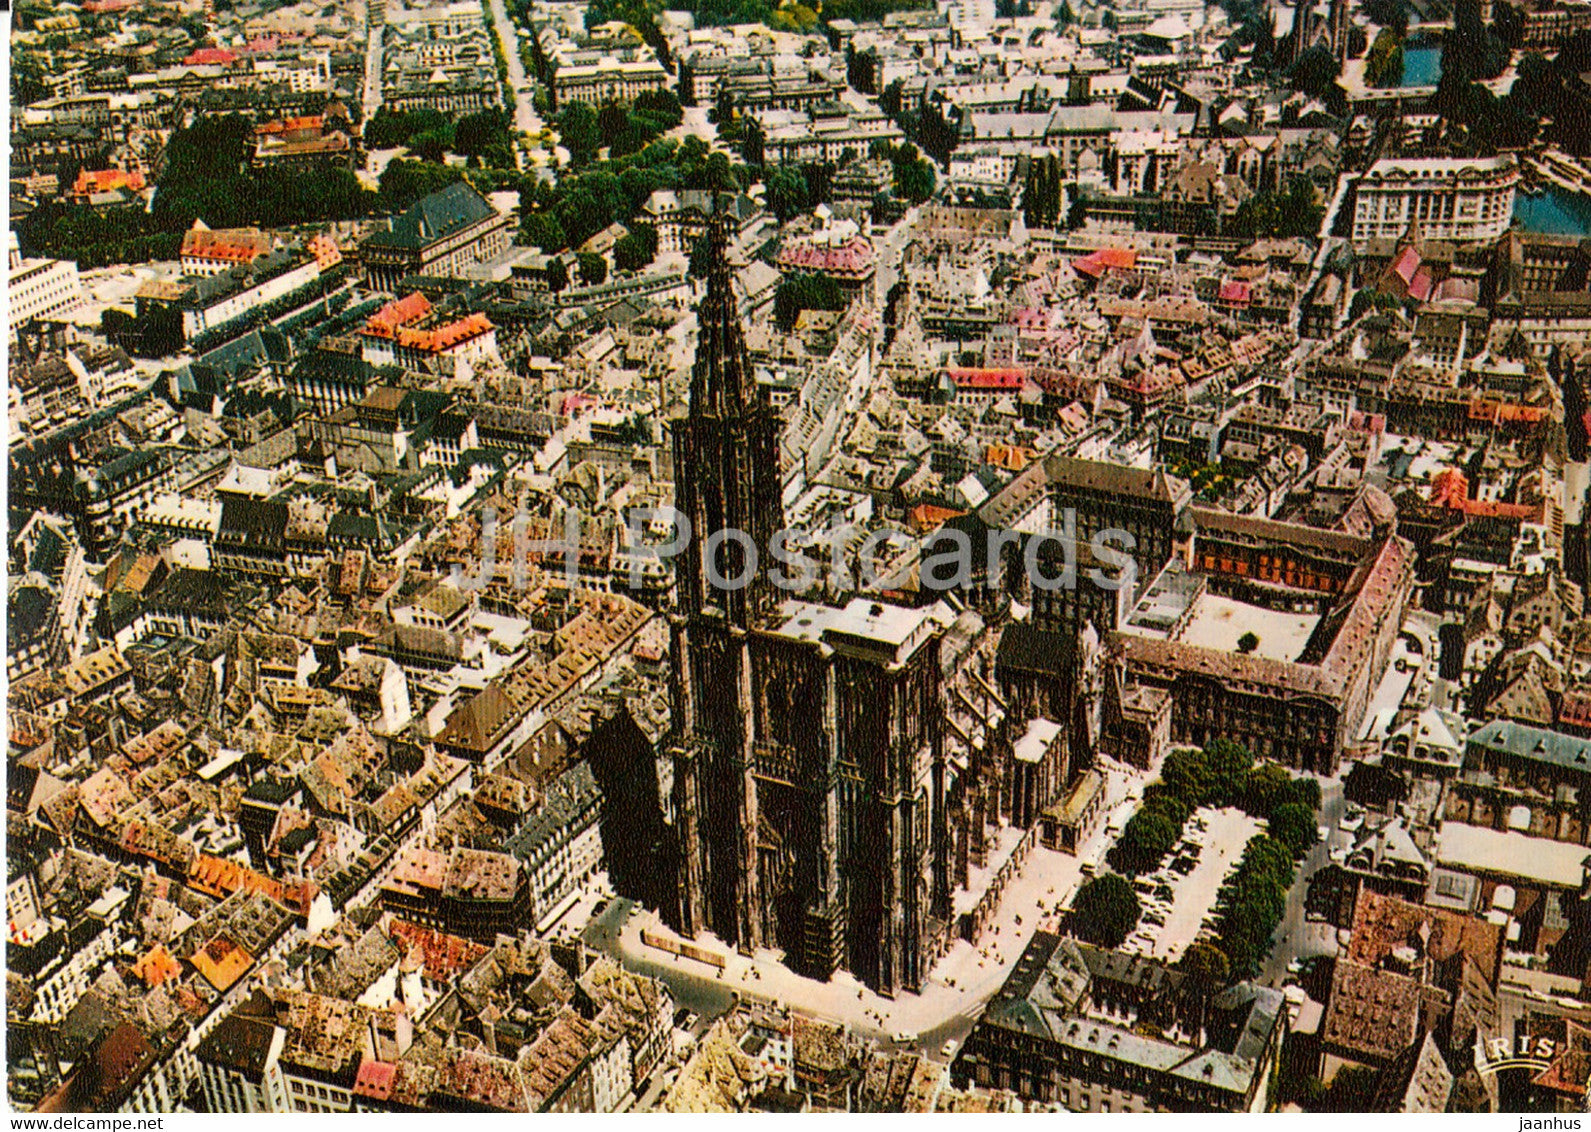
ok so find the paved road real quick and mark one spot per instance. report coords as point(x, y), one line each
point(526, 120)
point(710, 997)
point(891, 249)
point(1296, 938)
point(705, 995)
point(373, 64)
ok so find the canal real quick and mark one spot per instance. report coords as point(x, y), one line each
point(1555, 211)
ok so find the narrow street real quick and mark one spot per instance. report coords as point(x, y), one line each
point(1295, 937)
point(526, 120)
point(373, 64)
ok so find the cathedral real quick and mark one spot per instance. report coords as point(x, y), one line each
point(843, 784)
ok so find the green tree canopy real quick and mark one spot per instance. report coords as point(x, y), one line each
point(557, 275)
point(805, 291)
point(636, 249)
point(593, 268)
point(1294, 826)
point(1106, 911)
point(1144, 842)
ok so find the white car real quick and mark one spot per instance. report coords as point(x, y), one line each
point(949, 1048)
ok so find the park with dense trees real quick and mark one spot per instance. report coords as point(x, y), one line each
point(1222, 774)
point(805, 291)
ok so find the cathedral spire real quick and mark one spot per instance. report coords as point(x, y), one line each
point(722, 383)
point(726, 455)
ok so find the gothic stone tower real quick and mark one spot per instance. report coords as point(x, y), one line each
point(726, 463)
point(808, 780)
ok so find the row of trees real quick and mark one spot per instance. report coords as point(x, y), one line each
point(914, 176)
point(794, 189)
point(207, 176)
point(1253, 900)
point(1543, 91)
point(95, 237)
point(1222, 774)
point(1105, 911)
point(639, 14)
point(1042, 192)
point(791, 15)
point(631, 252)
point(1296, 211)
point(485, 137)
point(1384, 61)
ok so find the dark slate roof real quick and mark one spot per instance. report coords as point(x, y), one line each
point(241, 1044)
point(1024, 648)
point(252, 522)
point(435, 217)
point(329, 365)
point(573, 793)
point(29, 614)
point(49, 552)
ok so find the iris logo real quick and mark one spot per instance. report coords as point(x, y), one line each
point(1524, 1052)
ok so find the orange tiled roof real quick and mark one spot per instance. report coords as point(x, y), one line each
point(288, 125)
point(157, 965)
point(400, 312)
point(231, 245)
point(222, 962)
point(444, 337)
point(90, 181)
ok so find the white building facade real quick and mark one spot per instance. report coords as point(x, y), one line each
point(1449, 198)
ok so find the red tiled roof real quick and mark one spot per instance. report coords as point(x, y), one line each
point(854, 258)
point(400, 312)
point(206, 55)
point(375, 1079)
point(288, 125)
point(230, 245)
point(106, 180)
point(1407, 263)
point(444, 337)
point(1097, 263)
point(1450, 489)
point(983, 378)
point(929, 517)
point(1575, 709)
point(1420, 286)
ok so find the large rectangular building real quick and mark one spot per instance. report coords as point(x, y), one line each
point(1325, 609)
point(1091, 1030)
point(1463, 199)
point(439, 235)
